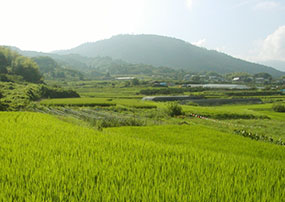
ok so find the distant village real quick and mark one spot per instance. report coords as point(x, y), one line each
point(214, 80)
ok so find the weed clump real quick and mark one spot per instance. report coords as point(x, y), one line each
point(174, 109)
point(279, 107)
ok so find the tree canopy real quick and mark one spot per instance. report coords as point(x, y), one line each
point(14, 64)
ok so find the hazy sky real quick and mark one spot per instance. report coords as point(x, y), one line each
point(251, 29)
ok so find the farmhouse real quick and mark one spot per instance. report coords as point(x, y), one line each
point(125, 78)
point(236, 79)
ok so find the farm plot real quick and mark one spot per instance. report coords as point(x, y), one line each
point(258, 111)
point(103, 102)
point(45, 159)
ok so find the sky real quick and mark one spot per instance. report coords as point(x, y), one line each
point(249, 29)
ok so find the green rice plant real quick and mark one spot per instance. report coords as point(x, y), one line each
point(258, 111)
point(45, 159)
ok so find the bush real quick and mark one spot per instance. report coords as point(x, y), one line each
point(278, 107)
point(50, 92)
point(225, 116)
point(4, 78)
point(114, 122)
point(3, 107)
point(174, 109)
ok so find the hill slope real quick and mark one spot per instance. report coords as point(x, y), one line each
point(165, 51)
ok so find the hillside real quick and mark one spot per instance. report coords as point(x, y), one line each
point(74, 66)
point(51, 70)
point(165, 51)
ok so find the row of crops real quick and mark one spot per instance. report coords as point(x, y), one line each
point(45, 159)
point(100, 102)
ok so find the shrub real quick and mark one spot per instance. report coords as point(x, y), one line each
point(174, 109)
point(224, 116)
point(3, 106)
point(115, 122)
point(4, 78)
point(50, 92)
point(279, 107)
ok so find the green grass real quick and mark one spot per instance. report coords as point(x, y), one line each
point(46, 159)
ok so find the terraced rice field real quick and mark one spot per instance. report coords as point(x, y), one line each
point(45, 159)
point(137, 103)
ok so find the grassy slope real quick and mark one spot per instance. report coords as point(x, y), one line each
point(43, 158)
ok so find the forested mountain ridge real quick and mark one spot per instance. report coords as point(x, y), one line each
point(51, 70)
point(75, 66)
point(169, 52)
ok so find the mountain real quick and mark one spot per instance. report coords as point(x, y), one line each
point(169, 52)
point(280, 65)
point(77, 67)
point(51, 70)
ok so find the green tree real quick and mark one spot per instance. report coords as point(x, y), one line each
point(26, 68)
point(46, 64)
point(135, 82)
point(174, 109)
point(3, 64)
point(263, 75)
point(15, 64)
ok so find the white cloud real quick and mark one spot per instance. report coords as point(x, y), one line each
point(189, 3)
point(266, 5)
point(201, 43)
point(241, 4)
point(244, 3)
point(273, 47)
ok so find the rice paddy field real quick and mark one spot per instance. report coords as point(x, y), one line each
point(43, 158)
point(103, 89)
point(257, 118)
point(98, 102)
point(109, 145)
point(253, 109)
